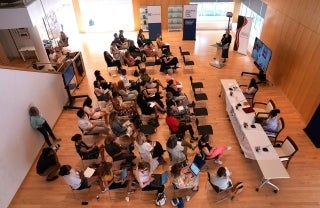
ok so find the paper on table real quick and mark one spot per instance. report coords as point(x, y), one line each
point(89, 172)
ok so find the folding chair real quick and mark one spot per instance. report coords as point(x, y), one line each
point(184, 53)
point(195, 85)
point(188, 63)
point(203, 129)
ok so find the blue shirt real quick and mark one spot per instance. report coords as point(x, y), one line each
point(36, 121)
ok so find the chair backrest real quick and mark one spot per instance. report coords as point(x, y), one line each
point(280, 125)
point(197, 122)
point(180, 50)
point(184, 59)
point(191, 80)
point(270, 106)
point(289, 147)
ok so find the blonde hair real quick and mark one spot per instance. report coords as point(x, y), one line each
point(141, 138)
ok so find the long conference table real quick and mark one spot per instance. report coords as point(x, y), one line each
point(252, 135)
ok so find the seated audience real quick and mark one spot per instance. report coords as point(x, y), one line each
point(140, 38)
point(127, 95)
point(177, 94)
point(168, 61)
point(114, 50)
point(48, 164)
point(86, 151)
point(150, 151)
point(118, 128)
point(270, 126)
point(169, 76)
point(103, 83)
point(95, 113)
point(210, 152)
point(76, 180)
point(178, 149)
point(151, 96)
point(102, 94)
point(149, 50)
point(130, 61)
point(111, 61)
point(161, 45)
point(118, 152)
point(117, 41)
point(144, 178)
point(179, 128)
point(123, 109)
point(91, 126)
point(221, 179)
point(135, 51)
point(146, 107)
point(183, 179)
point(176, 108)
point(121, 37)
point(150, 82)
point(114, 179)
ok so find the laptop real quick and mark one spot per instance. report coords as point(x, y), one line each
point(159, 179)
point(196, 165)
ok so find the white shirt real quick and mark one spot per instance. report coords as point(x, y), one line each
point(84, 124)
point(125, 81)
point(145, 154)
point(221, 182)
point(177, 154)
point(73, 179)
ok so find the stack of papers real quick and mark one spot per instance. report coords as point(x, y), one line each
point(89, 172)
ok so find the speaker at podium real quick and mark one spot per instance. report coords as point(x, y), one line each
point(217, 60)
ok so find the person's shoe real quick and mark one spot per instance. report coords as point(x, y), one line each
point(218, 162)
point(53, 178)
point(229, 147)
point(105, 189)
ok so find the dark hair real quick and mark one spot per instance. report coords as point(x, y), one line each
point(172, 141)
point(64, 170)
point(274, 112)
point(143, 165)
point(123, 72)
point(253, 83)
point(87, 102)
point(46, 151)
point(33, 111)
point(95, 83)
point(105, 168)
point(97, 73)
point(176, 170)
point(221, 172)
point(80, 113)
point(76, 137)
point(205, 138)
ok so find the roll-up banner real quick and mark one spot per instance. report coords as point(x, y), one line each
point(242, 35)
point(154, 21)
point(189, 21)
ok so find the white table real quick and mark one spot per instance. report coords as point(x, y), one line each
point(24, 49)
point(249, 138)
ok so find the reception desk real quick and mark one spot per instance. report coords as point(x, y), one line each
point(252, 139)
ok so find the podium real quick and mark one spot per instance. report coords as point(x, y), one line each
point(218, 62)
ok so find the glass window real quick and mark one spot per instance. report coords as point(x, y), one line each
point(212, 11)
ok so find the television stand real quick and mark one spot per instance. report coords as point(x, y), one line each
point(261, 76)
point(72, 98)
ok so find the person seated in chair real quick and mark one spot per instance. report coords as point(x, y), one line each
point(183, 178)
point(150, 82)
point(140, 38)
point(178, 149)
point(135, 51)
point(221, 179)
point(161, 45)
point(91, 126)
point(102, 81)
point(252, 89)
point(168, 60)
point(146, 107)
point(118, 128)
point(114, 50)
point(86, 151)
point(95, 113)
point(101, 93)
point(117, 41)
point(118, 152)
point(130, 61)
point(114, 179)
point(48, 164)
point(126, 94)
point(270, 126)
point(121, 108)
point(76, 179)
point(210, 152)
point(144, 178)
point(177, 127)
point(176, 108)
point(177, 94)
point(149, 50)
point(111, 61)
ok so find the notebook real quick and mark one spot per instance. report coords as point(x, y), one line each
point(89, 172)
point(159, 179)
point(248, 110)
point(152, 104)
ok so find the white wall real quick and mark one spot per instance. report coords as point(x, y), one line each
point(20, 144)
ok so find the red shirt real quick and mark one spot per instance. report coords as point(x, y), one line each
point(173, 123)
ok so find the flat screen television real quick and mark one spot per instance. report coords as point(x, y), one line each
point(261, 55)
point(68, 75)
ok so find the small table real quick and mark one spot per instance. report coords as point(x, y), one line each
point(26, 49)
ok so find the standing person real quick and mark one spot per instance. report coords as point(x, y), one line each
point(140, 38)
point(225, 42)
point(48, 164)
point(39, 123)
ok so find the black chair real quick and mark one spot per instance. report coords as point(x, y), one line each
point(200, 111)
point(203, 129)
point(195, 85)
point(184, 53)
point(188, 63)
